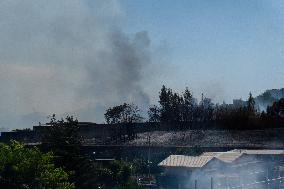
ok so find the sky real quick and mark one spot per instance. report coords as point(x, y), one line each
point(79, 57)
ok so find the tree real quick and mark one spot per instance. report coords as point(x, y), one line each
point(165, 104)
point(171, 105)
point(64, 140)
point(188, 106)
point(204, 112)
point(251, 105)
point(117, 175)
point(154, 114)
point(277, 109)
point(63, 136)
point(125, 113)
point(176, 107)
point(29, 168)
point(207, 109)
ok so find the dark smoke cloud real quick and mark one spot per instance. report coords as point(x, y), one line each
point(68, 57)
point(119, 71)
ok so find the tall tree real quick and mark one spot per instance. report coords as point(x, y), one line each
point(176, 107)
point(188, 106)
point(64, 139)
point(165, 104)
point(251, 105)
point(206, 109)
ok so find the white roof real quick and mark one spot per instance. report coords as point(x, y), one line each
point(203, 159)
point(185, 161)
point(229, 157)
point(259, 152)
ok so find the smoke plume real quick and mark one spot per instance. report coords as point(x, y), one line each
point(67, 57)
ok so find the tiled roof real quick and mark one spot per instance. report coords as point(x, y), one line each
point(185, 161)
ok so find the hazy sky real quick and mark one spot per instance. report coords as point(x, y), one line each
point(82, 56)
point(223, 48)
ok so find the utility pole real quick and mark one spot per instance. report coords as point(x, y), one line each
point(267, 181)
point(279, 183)
point(149, 144)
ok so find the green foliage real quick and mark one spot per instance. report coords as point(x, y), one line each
point(183, 108)
point(63, 136)
point(116, 174)
point(130, 184)
point(170, 105)
point(64, 140)
point(141, 166)
point(121, 175)
point(30, 168)
point(86, 172)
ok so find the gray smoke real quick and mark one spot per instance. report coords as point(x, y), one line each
point(67, 57)
point(247, 172)
point(120, 69)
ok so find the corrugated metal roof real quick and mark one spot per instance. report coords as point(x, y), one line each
point(185, 161)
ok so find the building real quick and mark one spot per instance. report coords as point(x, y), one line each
point(224, 170)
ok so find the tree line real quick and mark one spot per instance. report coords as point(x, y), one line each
point(58, 163)
point(173, 107)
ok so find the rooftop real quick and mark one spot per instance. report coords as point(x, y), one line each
point(185, 161)
point(203, 159)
